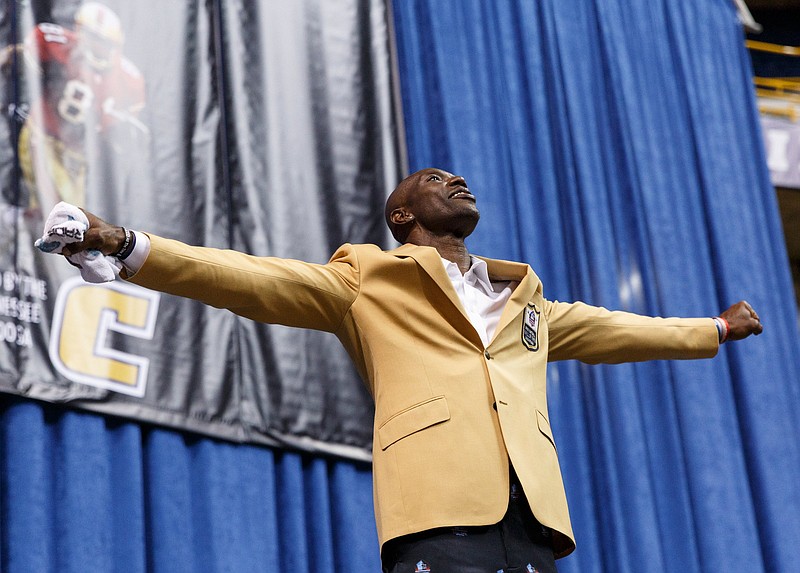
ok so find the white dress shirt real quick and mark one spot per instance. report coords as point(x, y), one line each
point(482, 299)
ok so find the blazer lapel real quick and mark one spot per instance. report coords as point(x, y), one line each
point(430, 261)
point(428, 258)
point(528, 285)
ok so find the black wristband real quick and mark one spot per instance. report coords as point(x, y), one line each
point(127, 251)
point(127, 246)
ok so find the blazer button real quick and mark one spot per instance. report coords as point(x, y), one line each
point(494, 405)
point(487, 355)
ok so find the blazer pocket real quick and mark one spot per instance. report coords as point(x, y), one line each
point(544, 427)
point(412, 420)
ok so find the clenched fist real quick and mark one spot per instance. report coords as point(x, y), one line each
point(742, 321)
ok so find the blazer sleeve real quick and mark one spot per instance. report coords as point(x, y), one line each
point(596, 335)
point(266, 289)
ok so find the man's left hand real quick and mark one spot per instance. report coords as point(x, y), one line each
point(742, 321)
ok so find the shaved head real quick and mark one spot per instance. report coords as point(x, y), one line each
point(399, 199)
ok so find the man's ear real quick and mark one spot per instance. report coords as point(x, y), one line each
point(400, 216)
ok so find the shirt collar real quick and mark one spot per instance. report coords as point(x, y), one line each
point(478, 272)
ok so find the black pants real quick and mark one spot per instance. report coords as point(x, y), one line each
point(518, 543)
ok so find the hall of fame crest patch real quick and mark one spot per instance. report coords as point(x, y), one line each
point(530, 327)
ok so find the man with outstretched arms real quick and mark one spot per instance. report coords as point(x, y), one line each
point(453, 348)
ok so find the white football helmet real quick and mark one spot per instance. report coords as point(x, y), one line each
point(99, 33)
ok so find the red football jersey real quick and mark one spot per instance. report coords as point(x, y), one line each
point(73, 95)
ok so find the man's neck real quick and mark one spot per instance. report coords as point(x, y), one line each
point(449, 247)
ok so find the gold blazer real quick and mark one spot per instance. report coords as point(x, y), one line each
point(449, 412)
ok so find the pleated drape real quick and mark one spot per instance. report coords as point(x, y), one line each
point(82, 493)
point(614, 145)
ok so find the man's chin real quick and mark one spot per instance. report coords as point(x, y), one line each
point(471, 219)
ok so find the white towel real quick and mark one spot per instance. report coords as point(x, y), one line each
point(67, 224)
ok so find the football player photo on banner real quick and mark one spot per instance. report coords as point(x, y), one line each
point(75, 134)
point(222, 124)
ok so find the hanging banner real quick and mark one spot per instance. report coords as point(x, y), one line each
point(782, 142)
point(268, 127)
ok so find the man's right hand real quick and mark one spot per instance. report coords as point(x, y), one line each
point(100, 235)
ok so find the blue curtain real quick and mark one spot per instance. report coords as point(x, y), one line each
point(614, 145)
point(82, 493)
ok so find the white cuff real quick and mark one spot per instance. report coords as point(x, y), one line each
point(135, 260)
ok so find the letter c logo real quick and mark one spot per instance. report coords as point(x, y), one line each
point(84, 317)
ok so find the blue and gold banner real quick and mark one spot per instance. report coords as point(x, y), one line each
point(267, 127)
